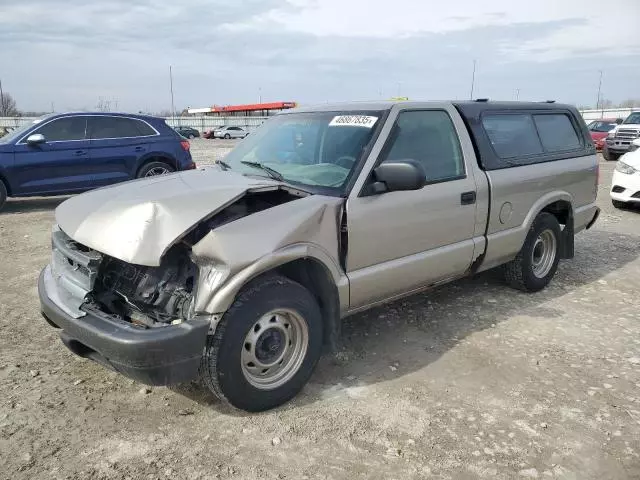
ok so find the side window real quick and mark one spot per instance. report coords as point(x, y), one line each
point(143, 128)
point(429, 137)
point(64, 129)
point(512, 135)
point(556, 132)
point(117, 127)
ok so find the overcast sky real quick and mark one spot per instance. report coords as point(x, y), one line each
point(73, 52)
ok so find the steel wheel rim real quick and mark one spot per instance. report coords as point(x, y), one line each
point(157, 171)
point(543, 253)
point(274, 349)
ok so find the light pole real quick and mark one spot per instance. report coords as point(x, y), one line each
point(2, 109)
point(599, 101)
point(173, 107)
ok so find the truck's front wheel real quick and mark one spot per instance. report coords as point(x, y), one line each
point(608, 155)
point(265, 347)
point(537, 262)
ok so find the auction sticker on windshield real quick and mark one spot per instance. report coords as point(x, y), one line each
point(353, 121)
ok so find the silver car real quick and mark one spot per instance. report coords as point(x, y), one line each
point(239, 274)
point(230, 132)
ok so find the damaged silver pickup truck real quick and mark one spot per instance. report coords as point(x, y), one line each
point(238, 274)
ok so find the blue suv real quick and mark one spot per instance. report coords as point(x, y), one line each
point(73, 152)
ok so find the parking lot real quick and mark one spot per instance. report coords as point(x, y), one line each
point(472, 380)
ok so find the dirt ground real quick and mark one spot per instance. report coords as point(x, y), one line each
point(472, 380)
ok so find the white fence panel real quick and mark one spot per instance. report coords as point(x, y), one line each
point(205, 122)
point(623, 113)
point(201, 123)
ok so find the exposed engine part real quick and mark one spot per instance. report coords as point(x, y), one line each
point(159, 296)
point(150, 296)
point(252, 202)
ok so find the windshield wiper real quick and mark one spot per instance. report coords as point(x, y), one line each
point(223, 164)
point(272, 173)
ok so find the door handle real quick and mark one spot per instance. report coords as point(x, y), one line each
point(80, 153)
point(468, 198)
point(139, 149)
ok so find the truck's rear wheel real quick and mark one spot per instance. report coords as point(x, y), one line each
point(265, 347)
point(537, 262)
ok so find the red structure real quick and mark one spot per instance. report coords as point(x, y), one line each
point(249, 110)
point(253, 107)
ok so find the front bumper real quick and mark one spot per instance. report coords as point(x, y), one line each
point(625, 188)
point(158, 356)
point(617, 146)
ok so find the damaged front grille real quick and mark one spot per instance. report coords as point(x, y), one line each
point(74, 269)
point(148, 296)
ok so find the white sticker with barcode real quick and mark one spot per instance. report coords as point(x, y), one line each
point(365, 121)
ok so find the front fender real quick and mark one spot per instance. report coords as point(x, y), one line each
point(219, 301)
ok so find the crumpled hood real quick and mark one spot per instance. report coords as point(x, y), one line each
point(138, 221)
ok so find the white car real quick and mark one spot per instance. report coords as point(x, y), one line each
point(625, 186)
point(230, 132)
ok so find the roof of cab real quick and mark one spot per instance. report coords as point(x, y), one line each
point(469, 107)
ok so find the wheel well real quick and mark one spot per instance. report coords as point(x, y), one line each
point(157, 158)
point(563, 212)
point(313, 275)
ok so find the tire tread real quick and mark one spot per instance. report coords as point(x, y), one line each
point(514, 271)
point(209, 365)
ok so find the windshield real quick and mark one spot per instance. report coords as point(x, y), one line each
point(602, 126)
point(633, 118)
point(18, 132)
point(319, 149)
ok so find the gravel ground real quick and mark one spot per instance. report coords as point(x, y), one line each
point(472, 380)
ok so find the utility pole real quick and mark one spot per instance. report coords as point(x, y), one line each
point(598, 102)
point(517, 94)
point(2, 107)
point(173, 107)
point(473, 80)
point(259, 94)
point(53, 107)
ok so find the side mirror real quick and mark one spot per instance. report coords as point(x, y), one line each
point(399, 175)
point(35, 139)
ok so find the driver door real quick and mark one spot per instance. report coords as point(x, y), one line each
point(407, 240)
point(59, 165)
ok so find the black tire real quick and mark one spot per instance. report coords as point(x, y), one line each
point(618, 204)
point(3, 194)
point(222, 368)
point(519, 273)
point(609, 156)
point(227, 136)
point(147, 169)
